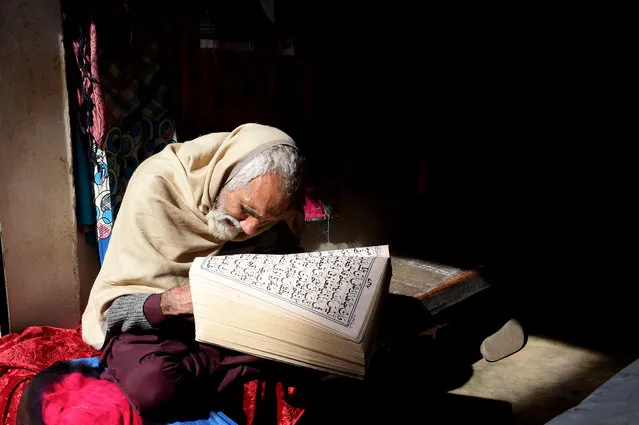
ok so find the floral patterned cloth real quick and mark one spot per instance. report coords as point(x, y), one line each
point(113, 166)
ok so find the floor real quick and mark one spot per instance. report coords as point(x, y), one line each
point(543, 379)
point(530, 387)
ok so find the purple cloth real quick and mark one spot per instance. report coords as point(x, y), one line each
point(165, 377)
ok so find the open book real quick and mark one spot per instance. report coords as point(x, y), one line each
point(316, 309)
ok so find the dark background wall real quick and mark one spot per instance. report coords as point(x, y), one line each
point(495, 137)
point(467, 135)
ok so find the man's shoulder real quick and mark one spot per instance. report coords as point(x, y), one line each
point(160, 167)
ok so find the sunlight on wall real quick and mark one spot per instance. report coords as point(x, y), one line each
point(36, 187)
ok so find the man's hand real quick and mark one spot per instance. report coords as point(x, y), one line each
point(177, 301)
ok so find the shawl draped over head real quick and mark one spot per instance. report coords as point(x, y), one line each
point(162, 226)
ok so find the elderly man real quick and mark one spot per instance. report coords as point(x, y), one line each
point(220, 193)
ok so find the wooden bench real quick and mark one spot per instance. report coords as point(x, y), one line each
point(439, 287)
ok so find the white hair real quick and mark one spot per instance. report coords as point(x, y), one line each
point(283, 160)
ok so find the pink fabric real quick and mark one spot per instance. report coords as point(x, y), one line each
point(91, 84)
point(81, 400)
point(314, 208)
point(99, 125)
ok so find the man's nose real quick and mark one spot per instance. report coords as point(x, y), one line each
point(249, 225)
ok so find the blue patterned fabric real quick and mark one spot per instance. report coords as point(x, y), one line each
point(114, 166)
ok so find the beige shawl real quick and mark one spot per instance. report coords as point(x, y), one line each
point(161, 225)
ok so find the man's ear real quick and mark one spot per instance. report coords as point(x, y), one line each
point(295, 220)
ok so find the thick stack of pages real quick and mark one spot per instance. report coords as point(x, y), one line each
point(315, 309)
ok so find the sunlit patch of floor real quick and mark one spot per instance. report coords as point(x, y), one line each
point(542, 380)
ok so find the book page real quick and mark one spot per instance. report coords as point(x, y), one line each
point(334, 288)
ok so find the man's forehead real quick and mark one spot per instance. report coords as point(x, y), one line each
point(266, 197)
point(267, 212)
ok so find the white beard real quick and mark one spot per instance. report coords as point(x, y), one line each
point(222, 226)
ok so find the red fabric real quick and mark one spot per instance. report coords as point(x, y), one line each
point(78, 399)
point(286, 414)
point(23, 355)
point(255, 392)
